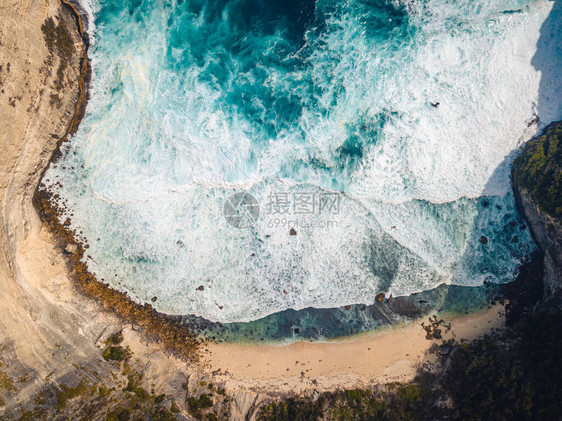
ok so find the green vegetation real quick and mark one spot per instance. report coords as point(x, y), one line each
point(116, 353)
point(517, 375)
point(398, 402)
point(134, 386)
point(66, 393)
point(196, 405)
point(115, 339)
point(6, 382)
point(174, 408)
point(120, 414)
point(97, 401)
point(298, 409)
point(539, 169)
point(59, 42)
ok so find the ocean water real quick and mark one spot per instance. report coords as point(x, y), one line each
point(381, 132)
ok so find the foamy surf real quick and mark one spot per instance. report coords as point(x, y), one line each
point(409, 110)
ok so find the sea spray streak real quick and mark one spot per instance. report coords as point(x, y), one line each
point(192, 101)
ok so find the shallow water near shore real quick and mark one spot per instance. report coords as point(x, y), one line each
point(319, 325)
point(192, 102)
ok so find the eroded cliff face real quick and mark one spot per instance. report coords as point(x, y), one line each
point(547, 233)
point(537, 187)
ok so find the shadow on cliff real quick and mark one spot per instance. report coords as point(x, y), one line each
point(548, 108)
point(548, 61)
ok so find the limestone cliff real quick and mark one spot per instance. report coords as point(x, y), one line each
point(537, 183)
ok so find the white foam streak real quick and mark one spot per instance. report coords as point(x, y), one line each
point(161, 149)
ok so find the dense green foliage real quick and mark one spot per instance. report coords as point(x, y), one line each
point(539, 169)
point(115, 339)
point(65, 393)
point(297, 409)
point(59, 42)
point(195, 405)
point(116, 353)
point(400, 402)
point(516, 376)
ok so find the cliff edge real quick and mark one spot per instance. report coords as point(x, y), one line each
point(537, 184)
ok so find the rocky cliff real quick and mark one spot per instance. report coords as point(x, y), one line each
point(537, 184)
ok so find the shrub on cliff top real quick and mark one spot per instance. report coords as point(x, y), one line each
point(116, 353)
point(539, 169)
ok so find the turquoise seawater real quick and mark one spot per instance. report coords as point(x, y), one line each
point(380, 131)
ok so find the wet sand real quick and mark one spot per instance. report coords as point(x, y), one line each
point(392, 355)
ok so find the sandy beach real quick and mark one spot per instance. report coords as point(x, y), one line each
point(50, 331)
point(389, 356)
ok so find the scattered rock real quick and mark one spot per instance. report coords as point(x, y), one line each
point(433, 329)
point(433, 349)
point(390, 299)
point(347, 307)
point(200, 288)
point(71, 248)
point(445, 349)
point(483, 240)
point(153, 299)
point(292, 231)
point(435, 104)
point(297, 330)
point(379, 297)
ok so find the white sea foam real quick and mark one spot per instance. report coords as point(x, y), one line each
point(160, 150)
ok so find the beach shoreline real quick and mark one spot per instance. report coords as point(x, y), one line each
point(391, 355)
